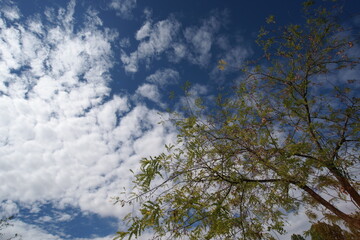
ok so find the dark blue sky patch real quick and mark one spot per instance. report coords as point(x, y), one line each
point(68, 222)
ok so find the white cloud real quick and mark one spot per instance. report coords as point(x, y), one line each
point(196, 91)
point(201, 39)
point(148, 12)
point(27, 232)
point(159, 38)
point(155, 39)
point(178, 53)
point(144, 31)
point(45, 219)
point(164, 77)
point(124, 43)
point(223, 42)
point(64, 217)
point(123, 8)
point(10, 12)
point(296, 224)
point(159, 79)
point(234, 56)
point(8, 209)
point(149, 91)
point(62, 138)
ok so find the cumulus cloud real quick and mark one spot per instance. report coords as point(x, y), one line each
point(164, 77)
point(8, 209)
point(154, 40)
point(27, 232)
point(149, 91)
point(123, 8)
point(63, 138)
point(44, 99)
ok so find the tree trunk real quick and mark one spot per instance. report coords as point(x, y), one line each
point(350, 220)
point(345, 184)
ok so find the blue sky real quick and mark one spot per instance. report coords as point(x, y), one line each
point(81, 86)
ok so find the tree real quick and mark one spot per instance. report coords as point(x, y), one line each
point(288, 136)
point(297, 237)
point(325, 231)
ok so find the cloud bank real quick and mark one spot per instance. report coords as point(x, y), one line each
point(63, 137)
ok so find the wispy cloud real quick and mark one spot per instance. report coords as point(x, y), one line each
point(154, 40)
point(234, 56)
point(144, 31)
point(9, 11)
point(164, 77)
point(123, 8)
point(200, 38)
point(164, 37)
point(178, 52)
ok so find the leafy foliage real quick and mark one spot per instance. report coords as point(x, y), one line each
point(297, 237)
point(287, 136)
point(324, 231)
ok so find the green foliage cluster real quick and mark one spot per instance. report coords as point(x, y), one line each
point(325, 231)
point(297, 237)
point(287, 136)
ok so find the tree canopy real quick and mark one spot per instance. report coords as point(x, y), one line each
point(288, 135)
